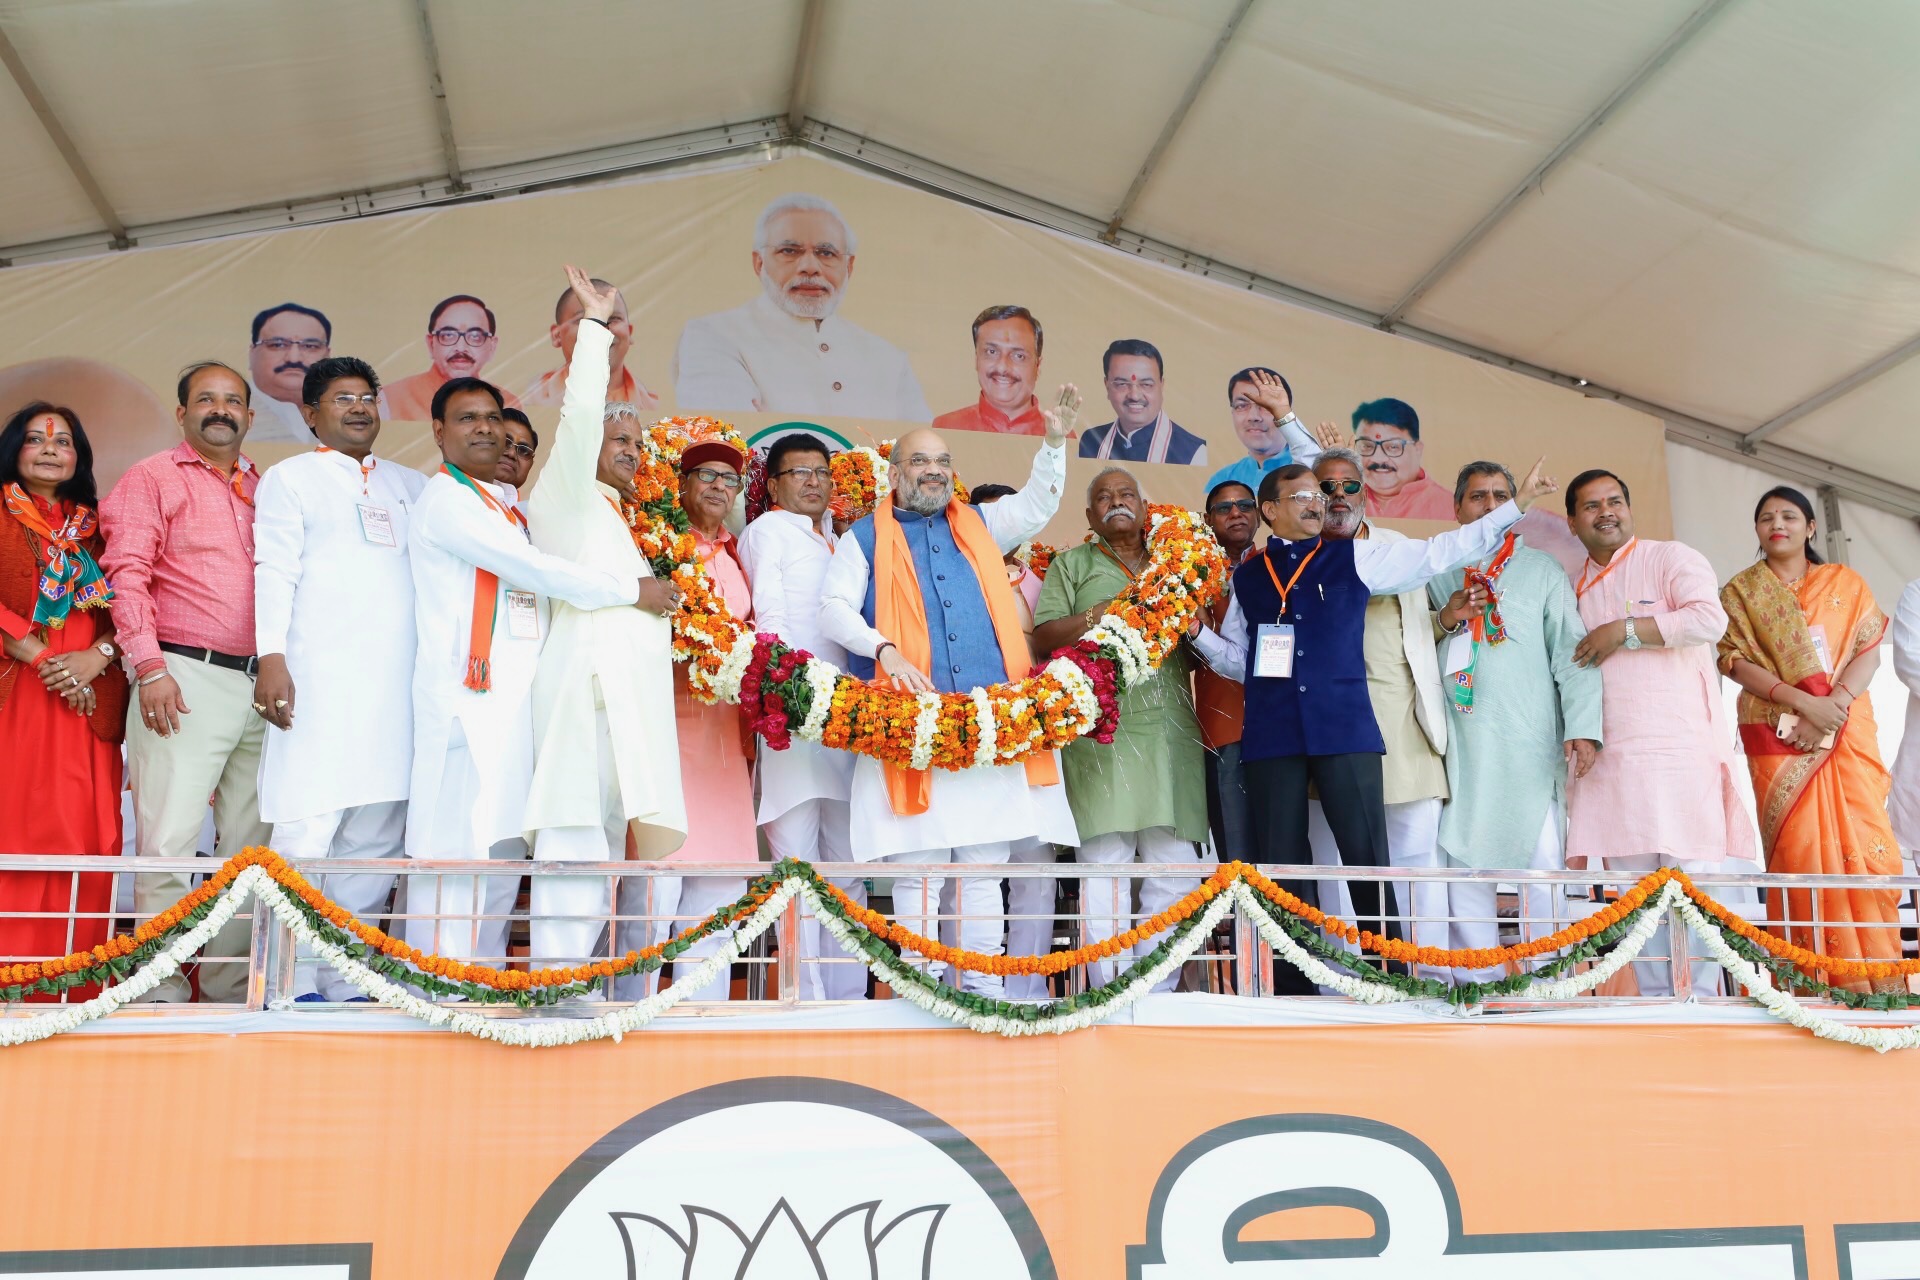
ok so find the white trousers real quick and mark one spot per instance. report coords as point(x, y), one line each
point(816, 831)
point(462, 917)
point(1655, 977)
point(365, 831)
point(1413, 840)
point(916, 905)
point(674, 904)
point(1107, 903)
point(1475, 906)
point(570, 913)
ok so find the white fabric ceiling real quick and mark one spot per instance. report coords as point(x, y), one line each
point(1740, 234)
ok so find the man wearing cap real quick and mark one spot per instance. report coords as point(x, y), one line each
point(607, 760)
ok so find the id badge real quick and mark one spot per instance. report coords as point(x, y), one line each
point(523, 619)
point(1273, 659)
point(1459, 653)
point(376, 525)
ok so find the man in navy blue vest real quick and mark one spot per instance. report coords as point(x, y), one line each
point(944, 557)
point(1294, 635)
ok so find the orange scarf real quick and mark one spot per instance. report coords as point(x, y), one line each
point(900, 614)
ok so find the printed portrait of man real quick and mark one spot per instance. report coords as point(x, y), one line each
point(461, 338)
point(622, 386)
point(287, 340)
point(789, 350)
point(1135, 377)
point(1007, 341)
point(1386, 434)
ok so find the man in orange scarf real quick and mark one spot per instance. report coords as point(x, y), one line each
point(917, 594)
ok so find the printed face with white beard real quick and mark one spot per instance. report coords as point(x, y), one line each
point(805, 263)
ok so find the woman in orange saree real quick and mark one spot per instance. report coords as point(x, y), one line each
point(1802, 642)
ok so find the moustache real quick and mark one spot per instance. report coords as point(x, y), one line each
point(212, 418)
point(1381, 466)
point(290, 366)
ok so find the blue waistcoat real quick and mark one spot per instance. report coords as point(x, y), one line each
point(964, 649)
point(1324, 709)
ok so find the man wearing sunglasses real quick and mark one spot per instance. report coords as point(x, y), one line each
point(461, 339)
point(1409, 705)
point(333, 623)
point(1295, 636)
point(517, 455)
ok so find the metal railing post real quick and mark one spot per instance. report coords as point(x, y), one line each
point(787, 976)
point(260, 957)
point(1680, 958)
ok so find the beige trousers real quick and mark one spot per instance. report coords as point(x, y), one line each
point(216, 753)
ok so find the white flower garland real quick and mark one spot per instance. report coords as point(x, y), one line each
point(821, 678)
point(1079, 687)
point(733, 668)
point(986, 749)
point(1759, 984)
point(924, 724)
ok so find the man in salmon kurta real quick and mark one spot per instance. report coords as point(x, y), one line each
point(607, 757)
point(1664, 792)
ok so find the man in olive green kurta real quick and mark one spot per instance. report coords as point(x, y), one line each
point(1144, 794)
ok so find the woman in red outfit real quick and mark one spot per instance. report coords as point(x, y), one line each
point(63, 695)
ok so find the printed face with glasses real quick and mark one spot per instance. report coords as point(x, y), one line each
point(462, 340)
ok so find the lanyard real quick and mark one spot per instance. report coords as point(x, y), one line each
point(1587, 584)
point(1107, 551)
point(366, 468)
point(1268, 561)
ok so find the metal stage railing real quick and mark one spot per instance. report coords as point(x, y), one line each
point(777, 973)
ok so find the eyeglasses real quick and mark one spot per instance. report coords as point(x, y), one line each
point(725, 479)
point(1348, 487)
point(822, 474)
point(345, 401)
point(1392, 448)
point(921, 461)
point(451, 337)
point(524, 450)
point(1227, 506)
point(1308, 499)
point(307, 346)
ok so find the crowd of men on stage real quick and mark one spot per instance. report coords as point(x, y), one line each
point(1377, 699)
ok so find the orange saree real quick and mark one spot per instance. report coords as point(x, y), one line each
point(1822, 812)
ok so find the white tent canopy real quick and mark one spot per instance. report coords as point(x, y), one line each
point(1705, 209)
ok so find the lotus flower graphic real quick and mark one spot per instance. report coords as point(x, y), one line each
point(846, 1247)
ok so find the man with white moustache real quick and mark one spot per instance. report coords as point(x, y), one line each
point(788, 350)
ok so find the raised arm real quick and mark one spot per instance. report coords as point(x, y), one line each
point(566, 482)
point(1388, 568)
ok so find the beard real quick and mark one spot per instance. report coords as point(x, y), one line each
point(1342, 524)
point(801, 308)
point(927, 502)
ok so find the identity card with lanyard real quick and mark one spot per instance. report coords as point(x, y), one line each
point(1274, 641)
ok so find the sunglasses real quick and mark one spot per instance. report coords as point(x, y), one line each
point(1348, 487)
point(1227, 506)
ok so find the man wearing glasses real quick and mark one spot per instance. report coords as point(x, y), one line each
point(287, 341)
point(789, 350)
point(1295, 637)
point(333, 622)
point(461, 339)
point(1386, 434)
point(1135, 378)
point(517, 454)
point(1409, 705)
point(1234, 516)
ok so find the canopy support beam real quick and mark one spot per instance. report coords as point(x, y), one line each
point(62, 143)
point(1858, 378)
point(1581, 132)
point(449, 149)
point(1175, 120)
point(803, 61)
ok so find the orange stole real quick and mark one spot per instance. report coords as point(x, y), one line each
point(900, 614)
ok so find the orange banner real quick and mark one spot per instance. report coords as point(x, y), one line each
point(1151, 1153)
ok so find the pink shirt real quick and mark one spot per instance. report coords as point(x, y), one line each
point(720, 557)
point(1664, 784)
point(1418, 499)
point(180, 555)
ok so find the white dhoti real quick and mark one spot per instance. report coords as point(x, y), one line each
point(816, 831)
point(461, 917)
point(1475, 905)
point(571, 913)
point(1413, 831)
point(979, 926)
point(1107, 903)
point(365, 832)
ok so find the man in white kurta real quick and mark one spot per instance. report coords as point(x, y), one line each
point(607, 755)
point(972, 815)
point(473, 746)
point(788, 350)
point(1903, 800)
point(803, 789)
point(333, 621)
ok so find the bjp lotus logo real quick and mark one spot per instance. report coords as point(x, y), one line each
point(781, 1179)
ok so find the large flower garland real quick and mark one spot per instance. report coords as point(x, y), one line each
point(396, 975)
point(785, 690)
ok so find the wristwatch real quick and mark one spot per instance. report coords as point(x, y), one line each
point(1633, 637)
point(107, 650)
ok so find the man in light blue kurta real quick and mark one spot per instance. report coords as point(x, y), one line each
point(1535, 715)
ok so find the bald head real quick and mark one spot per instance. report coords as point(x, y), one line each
point(922, 472)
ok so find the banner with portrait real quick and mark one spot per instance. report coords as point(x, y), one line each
point(790, 293)
point(1249, 1152)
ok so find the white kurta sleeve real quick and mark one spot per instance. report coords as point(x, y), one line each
point(1906, 638)
point(842, 593)
point(1300, 442)
point(279, 535)
point(1388, 568)
point(1226, 649)
point(1019, 516)
point(709, 371)
point(474, 532)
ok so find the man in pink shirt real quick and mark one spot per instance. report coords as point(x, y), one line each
point(1664, 791)
point(1006, 359)
point(1386, 434)
point(179, 530)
